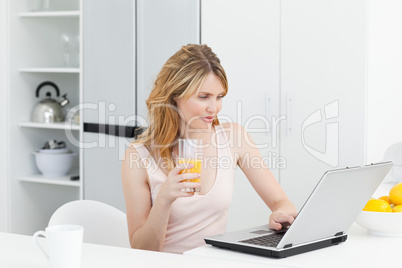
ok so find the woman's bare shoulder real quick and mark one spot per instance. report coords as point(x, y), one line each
point(131, 152)
point(233, 130)
point(133, 164)
point(239, 138)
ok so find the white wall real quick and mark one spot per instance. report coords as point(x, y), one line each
point(384, 109)
point(3, 120)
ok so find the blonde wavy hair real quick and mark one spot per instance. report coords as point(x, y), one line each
point(181, 76)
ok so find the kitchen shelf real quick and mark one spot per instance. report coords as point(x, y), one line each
point(37, 54)
point(50, 70)
point(64, 181)
point(61, 125)
point(50, 14)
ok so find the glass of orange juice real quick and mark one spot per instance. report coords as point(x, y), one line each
point(190, 151)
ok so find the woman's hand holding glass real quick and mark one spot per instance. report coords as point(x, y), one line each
point(175, 184)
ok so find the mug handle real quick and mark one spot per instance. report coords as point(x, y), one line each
point(35, 238)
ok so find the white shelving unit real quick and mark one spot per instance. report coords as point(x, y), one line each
point(120, 57)
point(36, 55)
point(51, 14)
point(64, 181)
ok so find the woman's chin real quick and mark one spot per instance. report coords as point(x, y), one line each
point(202, 126)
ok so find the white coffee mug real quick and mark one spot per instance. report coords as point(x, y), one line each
point(64, 245)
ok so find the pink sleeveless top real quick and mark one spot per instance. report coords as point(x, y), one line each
point(194, 218)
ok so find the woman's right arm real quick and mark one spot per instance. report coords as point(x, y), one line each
point(147, 222)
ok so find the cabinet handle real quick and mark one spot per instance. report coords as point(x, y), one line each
point(267, 110)
point(288, 128)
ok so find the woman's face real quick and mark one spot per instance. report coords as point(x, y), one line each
point(201, 108)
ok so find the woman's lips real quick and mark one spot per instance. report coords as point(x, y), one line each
point(208, 119)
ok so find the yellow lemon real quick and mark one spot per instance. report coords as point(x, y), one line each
point(377, 205)
point(386, 198)
point(397, 208)
point(395, 194)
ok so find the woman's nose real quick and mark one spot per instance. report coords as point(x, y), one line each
point(212, 107)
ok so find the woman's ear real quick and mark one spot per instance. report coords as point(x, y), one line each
point(175, 98)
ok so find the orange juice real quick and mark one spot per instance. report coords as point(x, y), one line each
point(195, 169)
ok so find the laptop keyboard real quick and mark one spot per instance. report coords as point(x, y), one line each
point(271, 240)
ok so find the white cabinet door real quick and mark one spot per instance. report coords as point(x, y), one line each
point(322, 90)
point(308, 58)
point(108, 61)
point(245, 36)
point(163, 28)
point(102, 169)
point(108, 94)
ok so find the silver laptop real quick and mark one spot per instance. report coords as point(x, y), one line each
point(323, 221)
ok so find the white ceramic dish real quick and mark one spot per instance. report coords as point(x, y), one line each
point(381, 223)
point(54, 165)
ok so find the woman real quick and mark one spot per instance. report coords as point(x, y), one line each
point(184, 103)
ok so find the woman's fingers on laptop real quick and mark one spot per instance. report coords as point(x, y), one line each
point(277, 221)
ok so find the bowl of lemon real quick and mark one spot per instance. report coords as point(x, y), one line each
point(383, 216)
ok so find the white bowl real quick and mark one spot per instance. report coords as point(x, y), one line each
point(55, 151)
point(54, 165)
point(381, 223)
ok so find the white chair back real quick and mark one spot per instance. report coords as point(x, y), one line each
point(103, 224)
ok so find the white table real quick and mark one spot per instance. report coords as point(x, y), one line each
point(359, 250)
point(19, 251)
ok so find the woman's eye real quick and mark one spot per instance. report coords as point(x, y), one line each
point(205, 97)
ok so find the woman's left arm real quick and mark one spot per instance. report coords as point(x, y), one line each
point(262, 180)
